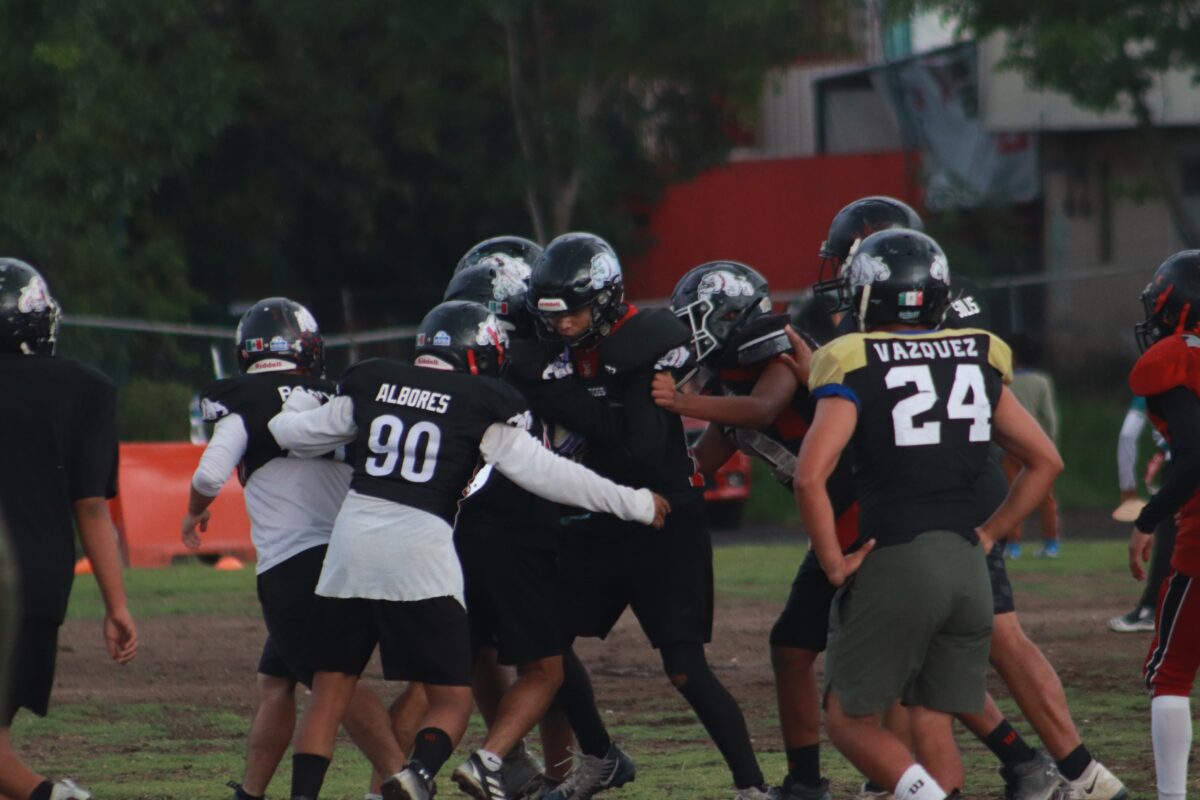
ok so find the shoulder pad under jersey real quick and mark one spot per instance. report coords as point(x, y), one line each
point(1170, 362)
point(642, 339)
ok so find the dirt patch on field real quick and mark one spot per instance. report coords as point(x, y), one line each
point(209, 662)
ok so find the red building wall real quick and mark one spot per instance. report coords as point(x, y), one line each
point(772, 215)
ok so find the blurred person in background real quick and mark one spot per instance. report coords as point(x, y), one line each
point(1168, 375)
point(58, 469)
point(1034, 389)
point(1141, 617)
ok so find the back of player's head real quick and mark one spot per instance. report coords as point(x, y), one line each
point(1171, 300)
point(514, 252)
point(717, 300)
point(855, 222)
point(499, 282)
point(462, 336)
point(278, 334)
point(898, 276)
point(577, 271)
point(810, 315)
point(29, 314)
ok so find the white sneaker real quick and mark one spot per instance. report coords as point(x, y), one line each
point(1097, 783)
point(865, 792)
point(1140, 619)
point(67, 789)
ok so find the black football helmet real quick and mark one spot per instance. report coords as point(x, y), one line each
point(278, 334)
point(500, 287)
point(29, 314)
point(899, 276)
point(462, 336)
point(811, 319)
point(1171, 300)
point(515, 252)
point(851, 225)
point(576, 271)
point(717, 300)
point(968, 307)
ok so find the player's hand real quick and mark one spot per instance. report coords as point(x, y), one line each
point(663, 390)
point(188, 532)
point(120, 635)
point(986, 541)
point(661, 509)
point(1139, 553)
point(800, 359)
point(852, 561)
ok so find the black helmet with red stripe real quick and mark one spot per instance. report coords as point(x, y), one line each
point(1171, 299)
point(278, 334)
point(462, 336)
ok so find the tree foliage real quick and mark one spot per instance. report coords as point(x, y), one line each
point(165, 158)
point(1103, 55)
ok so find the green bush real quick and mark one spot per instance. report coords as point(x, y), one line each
point(152, 410)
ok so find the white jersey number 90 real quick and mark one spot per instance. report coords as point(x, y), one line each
point(417, 451)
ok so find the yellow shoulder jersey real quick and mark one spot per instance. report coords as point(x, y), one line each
point(925, 403)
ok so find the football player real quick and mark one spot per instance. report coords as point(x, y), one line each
point(921, 408)
point(58, 468)
point(291, 503)
point(1029, 774)
point(1166, 374)
point(507, 541)
point(391, 577)
point(596, 397)
point(758, 404)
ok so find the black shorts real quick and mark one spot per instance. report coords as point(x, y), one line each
point(512, 598)
point(35, 652)
point(804, 621)
point(665, 576)
point(286, 593)
point(1002, 593)
point(422, 640)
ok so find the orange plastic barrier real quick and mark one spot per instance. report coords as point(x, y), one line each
point(155, 479)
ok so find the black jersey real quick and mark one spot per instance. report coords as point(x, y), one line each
point(419, 430)
point(606, 402)
point(256, 398)
point(60, 445)
point(924, 428)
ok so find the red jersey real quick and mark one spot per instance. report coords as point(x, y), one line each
point(1169, 364)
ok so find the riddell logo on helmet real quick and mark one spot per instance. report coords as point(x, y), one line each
point(552, 304)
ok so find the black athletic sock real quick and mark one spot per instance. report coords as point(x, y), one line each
point(716, 708)
point(308, 773)
point(432, 748)
point(804, 764)
point(872, 786)
point(578, 702)
point(1075, 763)
point(1008, 745)
point(43, 791)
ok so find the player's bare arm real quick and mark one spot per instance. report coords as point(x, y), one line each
point(99, 539)
point(771, 394)
point(800, 360)
point(712, 450)
point(832, 427)
point(1015, 429)
point(195, 519)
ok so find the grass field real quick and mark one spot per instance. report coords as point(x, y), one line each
point(172, 725)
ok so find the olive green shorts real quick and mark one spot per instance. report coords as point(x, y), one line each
point(913, 624)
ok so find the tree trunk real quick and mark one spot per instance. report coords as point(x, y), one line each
point(515, 93)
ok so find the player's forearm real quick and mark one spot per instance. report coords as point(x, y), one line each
point(745, 411)
point(198, 502)
point(99, 539)
point(534, 468)
point(816, 514)
point(1027, 491)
